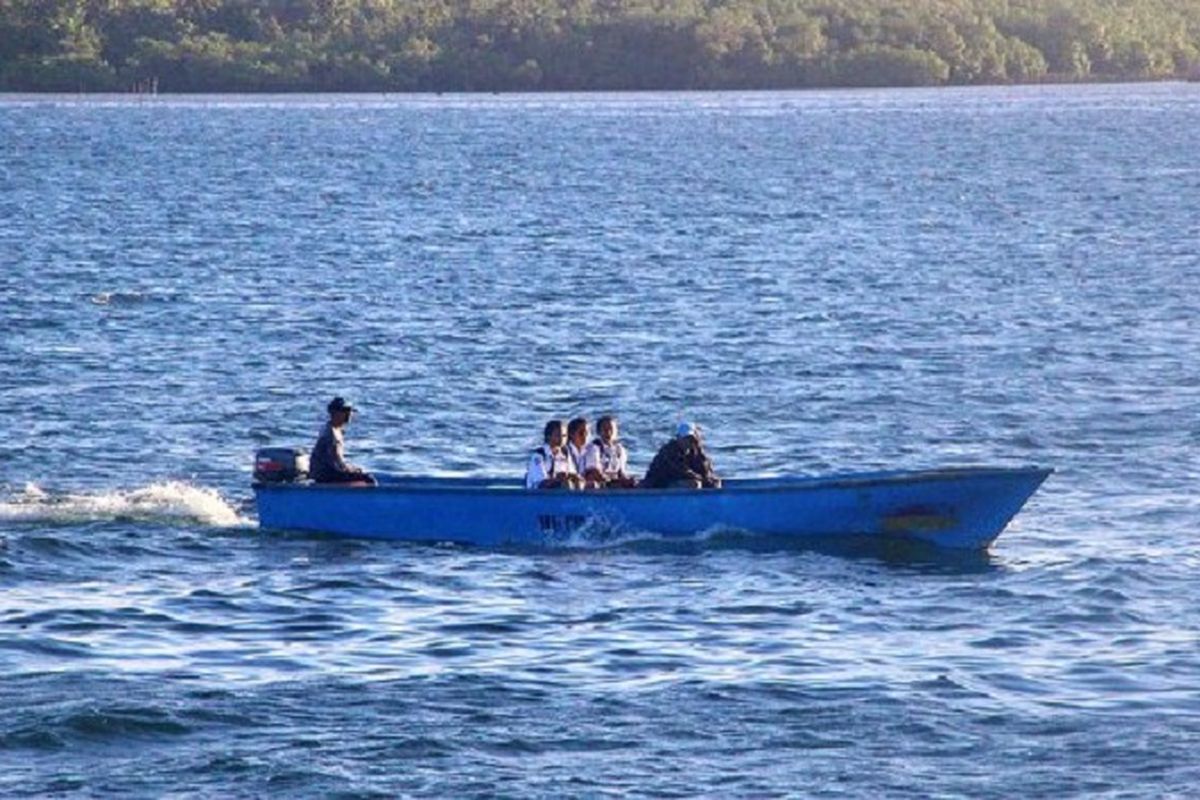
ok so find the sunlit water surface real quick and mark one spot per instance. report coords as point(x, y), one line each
point(826, 281)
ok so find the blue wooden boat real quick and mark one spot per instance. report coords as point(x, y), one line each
point(958, 508)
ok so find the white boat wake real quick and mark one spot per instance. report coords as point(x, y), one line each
point(168, 501)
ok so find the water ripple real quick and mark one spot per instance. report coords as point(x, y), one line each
point(826, 280)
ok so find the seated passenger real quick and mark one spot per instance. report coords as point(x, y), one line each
point(328, 463)
point(682, 463)
point(577, 439)
point(605, 459)
point(550, 467)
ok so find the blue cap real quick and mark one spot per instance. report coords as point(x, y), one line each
point(687, 429)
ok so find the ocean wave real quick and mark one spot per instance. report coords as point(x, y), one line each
point(130, 298)
point(167, 501)
point(600, 533)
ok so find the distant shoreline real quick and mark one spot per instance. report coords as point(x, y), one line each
point(431, 46)
point(638, 91)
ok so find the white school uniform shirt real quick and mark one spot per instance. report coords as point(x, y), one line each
point(577, 454)
point(545, 464)
point(609, 459)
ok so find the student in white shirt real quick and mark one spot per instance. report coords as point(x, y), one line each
point(577, 442)
point(605, 461)
point(549, 466)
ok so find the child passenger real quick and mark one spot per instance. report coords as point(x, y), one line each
point(549, 466)
point(605, 461)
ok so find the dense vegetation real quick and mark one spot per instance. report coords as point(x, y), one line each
point(406, 45)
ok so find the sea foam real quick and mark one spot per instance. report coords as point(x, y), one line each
point(167, 501)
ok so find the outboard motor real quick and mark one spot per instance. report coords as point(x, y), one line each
point(280, 465)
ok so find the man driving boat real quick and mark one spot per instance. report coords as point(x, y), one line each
point(328, 463)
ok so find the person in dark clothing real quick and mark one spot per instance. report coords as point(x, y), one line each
point(328, 463)
point(682, 463)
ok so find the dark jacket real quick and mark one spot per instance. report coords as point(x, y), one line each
point(680, 459)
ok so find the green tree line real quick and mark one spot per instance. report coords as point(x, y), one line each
point(500, 45)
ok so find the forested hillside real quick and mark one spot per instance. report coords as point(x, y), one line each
point(411, 45)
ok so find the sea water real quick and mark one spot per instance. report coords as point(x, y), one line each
point(826, 281)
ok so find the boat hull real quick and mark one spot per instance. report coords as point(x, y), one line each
point(959, 508)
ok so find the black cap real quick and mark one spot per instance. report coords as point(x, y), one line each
point(339, 404)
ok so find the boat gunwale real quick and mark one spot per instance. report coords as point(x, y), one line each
point(509, 486)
